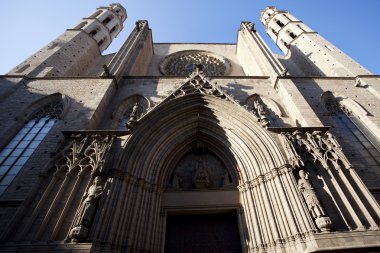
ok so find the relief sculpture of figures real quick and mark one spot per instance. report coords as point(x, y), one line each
point(86, 211)
point(201, 178)
point(312, 202)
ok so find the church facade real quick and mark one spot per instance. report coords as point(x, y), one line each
point(175, 147)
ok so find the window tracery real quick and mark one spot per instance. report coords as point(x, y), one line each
point(177, 64)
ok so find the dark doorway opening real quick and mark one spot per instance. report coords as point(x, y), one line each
point(199, 233)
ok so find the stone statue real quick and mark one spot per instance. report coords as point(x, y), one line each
point(261, 112)
point(201, 178)
point(304, 185)
point(86, 211)
point(175, 182)
point(133, 117)
point(310, 196)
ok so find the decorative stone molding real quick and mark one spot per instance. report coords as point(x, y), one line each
point(181, 63)
point(313, 146)
point(134, 181)
point(360, 83)
point(257, 181)
point(140, 24)
point(85, 151)
point(197, 83)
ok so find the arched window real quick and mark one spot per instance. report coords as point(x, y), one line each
point(350, 120)
point(114, 28)
point(101, 42)
point(132, 108)
point(93, 33)
point(21, 147)
point(107, 20)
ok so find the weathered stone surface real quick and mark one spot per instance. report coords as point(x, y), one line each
point(286, 146)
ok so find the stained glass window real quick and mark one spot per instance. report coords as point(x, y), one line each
point(21, 147)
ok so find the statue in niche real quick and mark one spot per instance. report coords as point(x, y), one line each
point(309, 195)
point(133, 117)
point(312, 201)
point(201, 177)
point(258, 105)
point(87, 211)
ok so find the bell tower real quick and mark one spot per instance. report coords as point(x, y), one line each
point(104, 24)
point(307, 53)
point(77, 50)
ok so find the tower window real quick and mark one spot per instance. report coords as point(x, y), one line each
point(292, 35)
point(93, 33)
point(280, 23)
point(113, 29)
point(274, 32)
point(107, 20)
point(21, 147)
point(101, 42)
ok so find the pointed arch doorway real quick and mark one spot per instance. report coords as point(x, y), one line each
point(201, 200)
point(231, 135)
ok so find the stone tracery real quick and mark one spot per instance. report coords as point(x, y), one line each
point(179, 63)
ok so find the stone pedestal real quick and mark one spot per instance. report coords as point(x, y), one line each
point(323, 223)
point(78, 233)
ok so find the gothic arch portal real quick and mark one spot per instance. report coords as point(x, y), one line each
point(266, 187)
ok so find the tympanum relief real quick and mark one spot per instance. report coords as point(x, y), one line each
point(199, 172)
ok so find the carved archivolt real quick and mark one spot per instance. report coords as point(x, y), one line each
point(180, 63)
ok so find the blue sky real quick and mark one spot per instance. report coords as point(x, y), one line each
point(351, 25)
